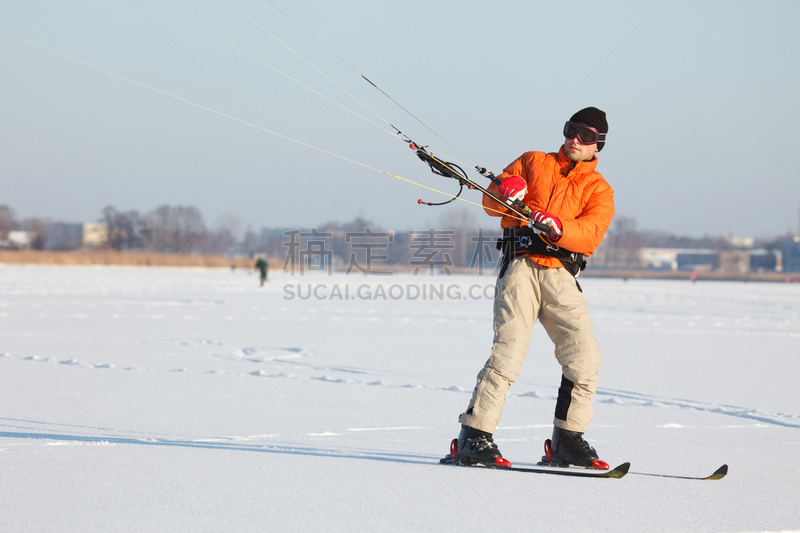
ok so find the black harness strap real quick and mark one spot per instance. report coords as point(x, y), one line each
point(523, 240)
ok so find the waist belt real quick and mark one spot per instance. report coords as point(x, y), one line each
point(524, 241)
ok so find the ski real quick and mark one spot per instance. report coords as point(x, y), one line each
point(719, 473)
point(614, 473)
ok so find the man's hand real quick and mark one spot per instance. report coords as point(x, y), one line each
point(543, 217)
point(513, 188)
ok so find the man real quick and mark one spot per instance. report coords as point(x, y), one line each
point(263, 267)
point(537, 281)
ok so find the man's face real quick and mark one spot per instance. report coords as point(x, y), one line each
point(576, 151)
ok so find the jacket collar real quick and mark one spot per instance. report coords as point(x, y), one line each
point(581, 167)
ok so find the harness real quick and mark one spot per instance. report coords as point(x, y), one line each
point(525, 241)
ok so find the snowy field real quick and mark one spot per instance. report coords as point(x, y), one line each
point(147, 399)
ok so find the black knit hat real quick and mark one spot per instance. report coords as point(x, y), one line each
point(591, 116)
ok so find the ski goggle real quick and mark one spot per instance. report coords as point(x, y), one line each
point(585, 134)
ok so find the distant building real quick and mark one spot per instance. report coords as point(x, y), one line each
point(790, 254)
point(74, 236)
point(765, 261)
point(703, 260)
point(679, 259)
point(739, 242)
point(734, 262)
point(95, 235)
point(729, 261)
point(18, 240)
point(659, 258)
point(60, 236)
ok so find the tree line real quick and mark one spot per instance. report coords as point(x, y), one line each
point(167, 229)
point(458, 241)
point(358, 243)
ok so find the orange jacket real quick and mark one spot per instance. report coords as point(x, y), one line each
point(580, 197)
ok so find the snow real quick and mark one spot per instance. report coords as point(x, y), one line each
point(150, 399)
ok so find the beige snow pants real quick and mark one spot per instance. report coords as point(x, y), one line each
point(526, 293)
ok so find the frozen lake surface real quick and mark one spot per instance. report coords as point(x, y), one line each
point(148, 399)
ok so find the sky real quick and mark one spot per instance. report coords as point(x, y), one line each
point(257, 111)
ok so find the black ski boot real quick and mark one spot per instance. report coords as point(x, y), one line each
point(568, 448)
point(476, 446)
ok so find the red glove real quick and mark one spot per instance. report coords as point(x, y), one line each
point(543, 217)
point(513, 188)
